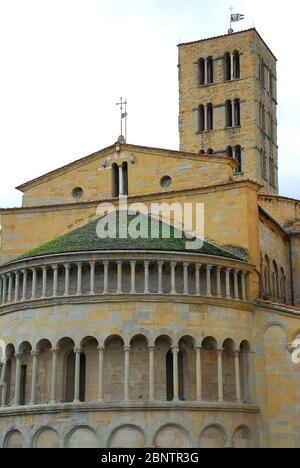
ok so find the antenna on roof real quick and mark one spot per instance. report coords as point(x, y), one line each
point(234, 17)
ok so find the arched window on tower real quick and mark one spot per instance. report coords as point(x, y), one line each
point(210, 117)
point(210, 70)
point(229, 119)
point(201, 119)
point(271, 171)
point(237, 113)
point(236, 65)
point(115, 180)
point(201, 72)
point(227, 66)
point(262, 73)
point(238, 158)
point(125, 178)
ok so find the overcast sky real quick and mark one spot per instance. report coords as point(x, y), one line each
point(65, 64)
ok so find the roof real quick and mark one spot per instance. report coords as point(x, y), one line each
point(226, 35)
point(86, 239)
point(124, 147)
point(263, 194)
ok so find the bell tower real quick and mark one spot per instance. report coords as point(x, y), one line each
point(228, 103)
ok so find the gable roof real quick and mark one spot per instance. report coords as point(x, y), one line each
point(125, 147)
point(86, 239)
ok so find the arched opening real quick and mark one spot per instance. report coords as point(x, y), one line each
point(228, 366)
point(25, 373)
point(245, 372)
point(236, 65)
point(115, 180)
point(210, 70)
point(209, 369)
point(201, 72)
point(114, 369)
point(237, 113)
point(125, 178)
point(210, 117)
point(187, 381)
point(44, 373)
point(210, 151)
point(91, 353)
point(229, 119)
point(238, 158)
point(201, 119)
point(227, 62)
point(139, 369)
point(230, 151)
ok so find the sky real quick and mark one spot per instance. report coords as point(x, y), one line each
point(66, 63)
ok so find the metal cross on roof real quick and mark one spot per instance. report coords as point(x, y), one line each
point(124, 114)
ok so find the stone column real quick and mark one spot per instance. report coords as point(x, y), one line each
point(173, 277)
point(35, 354)
point(146, 269)
point(18, 357)
point(197, 279)
point(105, 281)
point(33, 289)
point(121, 183)
point(3, 381)
point(219, 289)
point(4, 289)
point(55, 280)
point(77, 352)
point(160, 265)
point(237, 376)
point(92, 278)
point(220, 375)
point(10, 286)
point(208, 280)
point(67, 267)
point(198, 374)
point(120, 269)
point(79, 279)
point(24, 287)
point(54, 352)
point(1, 288)
point(186, 278)
point(228, 292)
point(132, 270)
point(244, 292)
point(151, 373)
point(44, 282)
point(175, 351)
point(236, 285)
point(126, 374)
point(17, 285)
point(101, 374)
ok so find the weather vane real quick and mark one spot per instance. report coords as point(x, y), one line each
point(234, 17)
point(124, 114)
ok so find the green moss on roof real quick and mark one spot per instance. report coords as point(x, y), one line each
point(86, 239)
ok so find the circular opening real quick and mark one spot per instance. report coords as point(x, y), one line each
point(77, 193)
point(166, 182)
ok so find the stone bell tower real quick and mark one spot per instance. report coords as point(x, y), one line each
point(228, 103)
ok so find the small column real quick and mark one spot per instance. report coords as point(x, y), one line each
point(44, 282)
point(236, 285)
point(244, 292)
point(4, 289)
point(186, 278)
point(146, 269)
point(10, 285)
point(1, 288)
point(101, 373)
point(105, 281)
point(54, 352)
point(17, 285)
point(77, 352)
point(18, 357)
point(121, 183)
point(220, 375)
point(79, 279)
point(237, 376)
point(197, 279)
point(33, 288)
point(151, 372)
point(198, 374)
point(35, 354)
point(173, 277)
point(160, 265)
point(208, 280)
point(175, 351)
point(228, 292)
point(126, 377)
point(120, 270)
point(92, 278)
point(24, 288)
point(132, 273)
point(67, 267)
point(219, 290)
point(55, 278)
point(3, 379)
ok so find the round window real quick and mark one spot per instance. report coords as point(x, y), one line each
point(77, 193)
point(166, 182)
